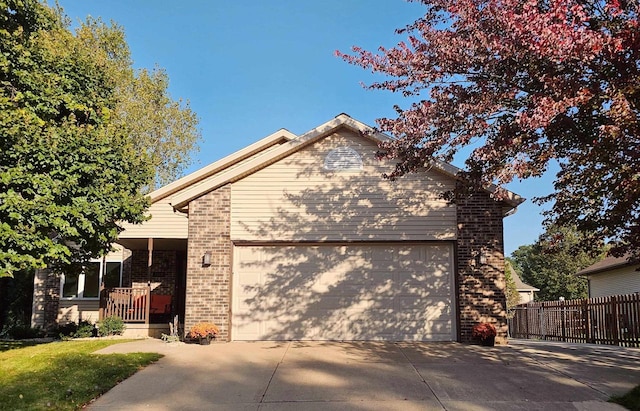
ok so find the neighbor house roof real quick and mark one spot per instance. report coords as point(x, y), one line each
point(521, 285)
point(609, 263)
point(280, 144)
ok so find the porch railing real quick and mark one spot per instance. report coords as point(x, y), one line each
point(130, 304)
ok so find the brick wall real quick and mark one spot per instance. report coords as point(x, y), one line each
point(127, 258)
point(208, 287)
point(480, 286)
point(46, 299)
point(163, 270)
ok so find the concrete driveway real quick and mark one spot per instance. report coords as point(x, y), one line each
point(363, 376)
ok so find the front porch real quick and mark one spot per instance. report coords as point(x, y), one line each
point(152, 292)
point(144, 314)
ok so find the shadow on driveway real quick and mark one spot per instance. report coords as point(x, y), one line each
point(371, 375)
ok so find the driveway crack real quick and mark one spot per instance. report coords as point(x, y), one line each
point(274, 373)
point(421, 377)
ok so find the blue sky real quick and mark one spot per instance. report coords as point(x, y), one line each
point(251, 67)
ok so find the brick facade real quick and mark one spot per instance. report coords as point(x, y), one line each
point(208, 288)
point(481, 296)
point(163, 270)
point(46, 298)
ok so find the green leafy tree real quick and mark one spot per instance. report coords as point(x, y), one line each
point(511, 291)
point(15, 300)
point(164, 129)
point(551, 264)
point(69, 173)
point(524, 84)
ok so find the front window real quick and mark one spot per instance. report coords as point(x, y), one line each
point(113, 274)
point(83, 281)
point(70, 284)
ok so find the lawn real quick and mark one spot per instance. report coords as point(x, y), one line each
point(62, 375)
point(630, 400)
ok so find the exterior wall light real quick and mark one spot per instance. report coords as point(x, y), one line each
point(206, 259)
point(483, 257)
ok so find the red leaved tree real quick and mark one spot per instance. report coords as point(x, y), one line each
point(525, 82)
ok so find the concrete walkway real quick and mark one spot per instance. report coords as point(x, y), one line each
point(369, 376)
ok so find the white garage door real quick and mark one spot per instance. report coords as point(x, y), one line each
point(347, 292)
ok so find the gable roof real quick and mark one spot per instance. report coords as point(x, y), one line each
point(279, 137)
point(521, 285)
point(609, 263)
point(273, 148)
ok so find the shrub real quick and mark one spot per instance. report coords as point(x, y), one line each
point(23, 332)
point(85, 330)
point(482, 331)
point(110, 326)
point(67, 330)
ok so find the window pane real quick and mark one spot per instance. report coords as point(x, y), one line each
point(91, 280)
point(70, 287)
point(112, 276)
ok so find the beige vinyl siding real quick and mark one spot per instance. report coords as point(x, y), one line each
point(296, 199)
point(616, 282)
point(78, 310)
point(164, 223)
point(214, 179)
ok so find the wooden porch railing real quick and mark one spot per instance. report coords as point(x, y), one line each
point(130, 304)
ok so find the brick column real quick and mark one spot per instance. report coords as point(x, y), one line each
point(208, 287)
point(46, 299)
point(481, 286)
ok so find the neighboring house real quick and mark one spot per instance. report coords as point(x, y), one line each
point(526, 291)
point(612, 276)
point(299, 237)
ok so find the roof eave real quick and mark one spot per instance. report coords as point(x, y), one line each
point(295, 144)
point(512, 200)
point(278, 137)
point(599, 270)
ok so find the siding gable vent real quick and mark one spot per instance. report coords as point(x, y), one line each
point(343, 159)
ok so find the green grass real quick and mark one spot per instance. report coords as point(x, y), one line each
point(630, 400)
point(13, 344)
point(62, 375)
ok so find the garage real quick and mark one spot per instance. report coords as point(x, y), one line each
point(391, 292)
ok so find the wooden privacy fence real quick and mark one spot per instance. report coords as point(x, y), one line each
point(613, 320)
point(130, 304)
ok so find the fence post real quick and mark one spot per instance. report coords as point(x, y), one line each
point(563, 318)
point(585, 321)
point(526, 320)
point(616, 321)
point(543, 325)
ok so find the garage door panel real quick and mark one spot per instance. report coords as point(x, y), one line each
point(348, 292)
point(425, 304)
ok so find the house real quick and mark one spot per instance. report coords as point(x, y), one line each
point(299, 237)
point(525, 291)
point(612, 276)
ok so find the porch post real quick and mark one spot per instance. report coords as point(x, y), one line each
point(150, 260)
point(147, 313)
point(101, 297)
